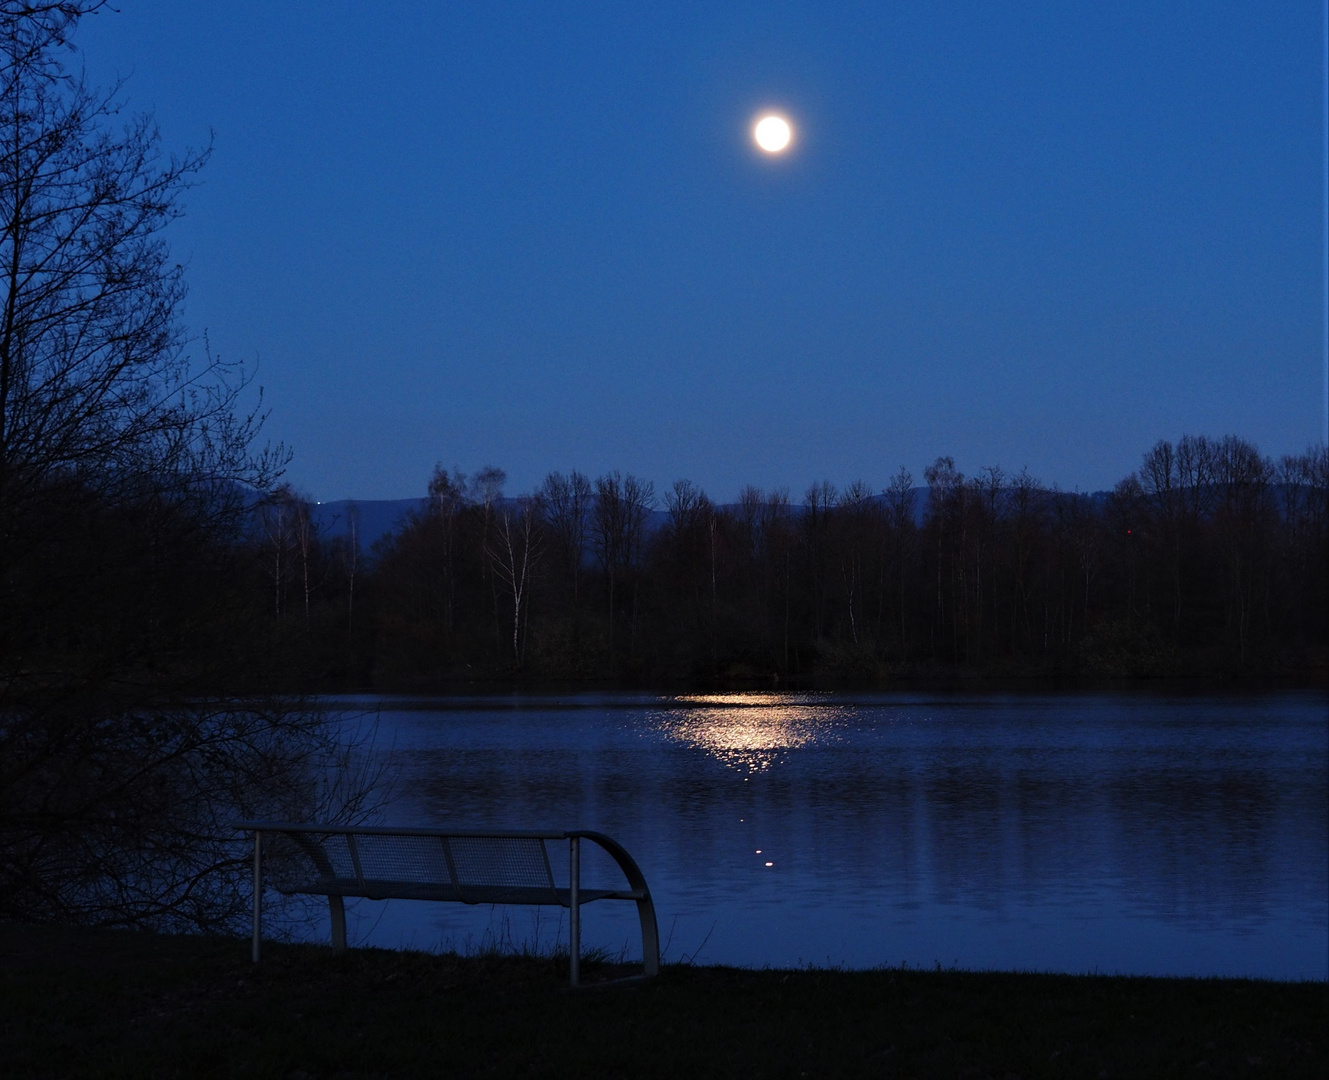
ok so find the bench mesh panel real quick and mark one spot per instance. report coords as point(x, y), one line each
point(508, 862)
point(339, 854)
point(417, 859)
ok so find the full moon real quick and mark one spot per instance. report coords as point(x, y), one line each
point(772, 133)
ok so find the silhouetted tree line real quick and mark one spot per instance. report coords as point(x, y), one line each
point(1209, 558)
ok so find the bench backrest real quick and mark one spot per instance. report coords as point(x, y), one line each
point(409, 864)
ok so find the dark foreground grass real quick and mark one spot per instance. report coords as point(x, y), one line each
point(107, 1004)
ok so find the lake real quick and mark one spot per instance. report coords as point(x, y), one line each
point(1160, 834)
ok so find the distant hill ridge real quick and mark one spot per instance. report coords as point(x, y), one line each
point(379, 518)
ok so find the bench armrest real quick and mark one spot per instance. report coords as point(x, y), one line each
point(650, 932)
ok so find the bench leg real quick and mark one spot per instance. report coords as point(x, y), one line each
point(650, 933)
point(574, 911)
point(650, 937)
point(337, 908)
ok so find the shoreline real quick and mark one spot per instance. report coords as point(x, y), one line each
point(481, 685)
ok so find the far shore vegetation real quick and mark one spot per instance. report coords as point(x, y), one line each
point(1207, 561)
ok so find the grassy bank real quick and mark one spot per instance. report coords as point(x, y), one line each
point(118, 1004)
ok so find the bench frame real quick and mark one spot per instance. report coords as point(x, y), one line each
point(306, 837)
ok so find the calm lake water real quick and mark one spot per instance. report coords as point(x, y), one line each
point(1146, 834)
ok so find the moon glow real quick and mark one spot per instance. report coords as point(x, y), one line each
point(772, 133)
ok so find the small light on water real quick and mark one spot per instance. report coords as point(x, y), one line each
point(770, 864)
point(757, 852)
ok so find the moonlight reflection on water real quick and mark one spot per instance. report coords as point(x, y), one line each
point(751, 732)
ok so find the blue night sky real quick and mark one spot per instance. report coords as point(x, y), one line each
point(539, 236)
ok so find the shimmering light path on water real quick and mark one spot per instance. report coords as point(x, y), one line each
point(1150, 834)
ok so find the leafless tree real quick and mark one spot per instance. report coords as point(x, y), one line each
point(618, 528)
point(134, 826)
point(447, 499)
point(1178, 481)
point(290, 537)
point(486, 491)
point(95, 380)
point(856, 505)
point(128, 469)
point(1303, 481)
point(566, 502)
point(486, 486)
point(945, 518)
point(751, 501)
point(765, 520)
point(989, 490)
point(691, 534)
point(686, 505)
point(777, 545)
point(515, 550)
point(306, 543)
point(818, 502)
point(351, 562)
point(1244, 520)
point(275, 519)
point(1026, 502)
point(899, 495)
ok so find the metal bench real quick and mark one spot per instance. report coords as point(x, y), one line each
point(337, 861)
